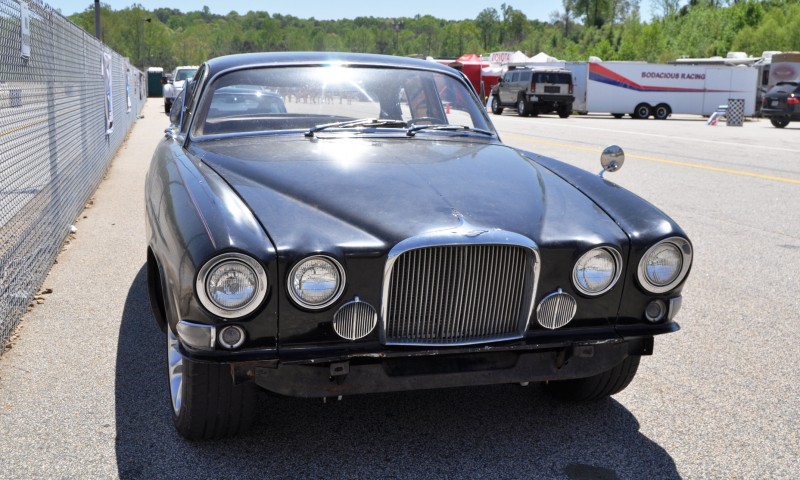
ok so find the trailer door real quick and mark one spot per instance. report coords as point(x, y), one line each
point(717, 90)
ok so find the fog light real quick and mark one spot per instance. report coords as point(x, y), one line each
point(655, 311)
point(231, 337)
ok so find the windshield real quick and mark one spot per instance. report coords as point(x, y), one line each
point(337, 98)
point(185, 74)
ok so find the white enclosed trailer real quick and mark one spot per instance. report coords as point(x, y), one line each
point(646, 89)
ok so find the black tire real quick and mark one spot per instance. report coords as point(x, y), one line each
point(642, 111)
point(779, 122)
point(564, 111)
point(167, 106)
point(211, 406)
point(523, 108)
point(597, 387)
point(617, 115)
point(496, 108)
point(662, 111)
point(534, 110)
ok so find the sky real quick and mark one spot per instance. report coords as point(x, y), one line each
point(338, 9)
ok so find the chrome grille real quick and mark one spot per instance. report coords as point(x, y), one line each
point(556, 310)
point(461, 294)
point(355, 320)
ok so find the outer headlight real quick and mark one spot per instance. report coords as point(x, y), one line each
point(232, 285)
point(665, 264)
point(597, 271)
point(316, 282)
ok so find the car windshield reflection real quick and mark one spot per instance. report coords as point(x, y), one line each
point(337, 98)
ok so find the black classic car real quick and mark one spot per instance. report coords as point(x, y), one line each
point(373, 234)
point(782, 104)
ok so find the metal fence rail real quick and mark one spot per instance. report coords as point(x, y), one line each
point(55, 144)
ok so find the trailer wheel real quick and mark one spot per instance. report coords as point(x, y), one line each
point(662, 111)
point(617, 115)
point(522, 108)
point(496, 108)
point(642, 111)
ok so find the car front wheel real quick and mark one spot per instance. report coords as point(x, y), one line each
point(167, 106)
point(598, 386)
point(779, 122)
point(205, 402)
point(496, 108)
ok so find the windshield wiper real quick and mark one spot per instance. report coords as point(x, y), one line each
point(362, 122)
point(450, 128)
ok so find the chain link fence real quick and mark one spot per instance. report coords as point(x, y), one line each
point(66, 104)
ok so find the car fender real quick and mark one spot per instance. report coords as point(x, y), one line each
point(193, 216)
point(169, 91)
point(642, 222)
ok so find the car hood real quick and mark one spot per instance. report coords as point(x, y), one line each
point(370, 193)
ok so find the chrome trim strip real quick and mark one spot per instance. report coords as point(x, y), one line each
point(675, 304)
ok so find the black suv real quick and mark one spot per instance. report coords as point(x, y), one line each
point(534, 91)
point(782, 103)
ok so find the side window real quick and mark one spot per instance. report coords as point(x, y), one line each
point(507, 77)
point(192, 90)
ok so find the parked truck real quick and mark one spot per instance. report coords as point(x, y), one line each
point(642, 90)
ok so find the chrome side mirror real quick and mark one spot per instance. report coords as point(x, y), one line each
point(612, 159)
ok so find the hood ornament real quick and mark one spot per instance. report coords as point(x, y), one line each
point(465, 228)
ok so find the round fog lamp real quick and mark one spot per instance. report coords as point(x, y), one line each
point(655, 311)
point(231, 337)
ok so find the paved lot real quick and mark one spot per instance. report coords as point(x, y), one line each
point(83, 390)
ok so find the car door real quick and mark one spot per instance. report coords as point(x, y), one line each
point(506, 85)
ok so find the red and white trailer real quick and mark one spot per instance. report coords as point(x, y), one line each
point(645, 89)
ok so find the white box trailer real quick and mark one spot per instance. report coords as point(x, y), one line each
point(645, 89)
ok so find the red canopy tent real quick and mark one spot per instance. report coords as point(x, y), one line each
point(470, 64)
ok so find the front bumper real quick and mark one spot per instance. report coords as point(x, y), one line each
point(427, 370)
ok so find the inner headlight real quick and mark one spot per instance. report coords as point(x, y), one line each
point(232, 285)
point(597, 271)
point(316, 282)
point(665, 264)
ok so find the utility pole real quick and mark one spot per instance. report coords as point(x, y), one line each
point(97, 20)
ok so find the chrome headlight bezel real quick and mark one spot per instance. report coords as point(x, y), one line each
point(683, 247)
point(290, 284)
point(616, 257)
point(260, 290)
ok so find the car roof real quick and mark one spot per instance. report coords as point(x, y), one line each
point(227, 62)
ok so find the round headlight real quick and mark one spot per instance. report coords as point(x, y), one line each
point(597, 271)
point(665, 264)
point(232, 285)
point(316, 282)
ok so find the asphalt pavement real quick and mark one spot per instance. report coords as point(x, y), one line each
point(83, 390)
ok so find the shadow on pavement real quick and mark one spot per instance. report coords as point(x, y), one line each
point(504, 431)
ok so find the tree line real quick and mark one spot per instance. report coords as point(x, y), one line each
point(608, 29)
